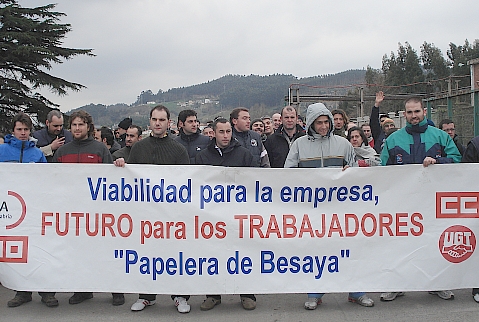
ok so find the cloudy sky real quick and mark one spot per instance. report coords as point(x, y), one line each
point(161, 44)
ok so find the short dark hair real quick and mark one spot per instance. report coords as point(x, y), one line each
point(235, 113)
point(138, 128)
point(361, 133)
point(22, 118)
point(445, 121)
point(107, 134)
point(219, 120)
point(86, 118)
point(185, 114)
point(161, 108)
point(414, 99)
point(365, 124)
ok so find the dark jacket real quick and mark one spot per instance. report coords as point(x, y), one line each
point(83, 151)
point(471, 154)
point(278, 145)
point(154, 150)
point(193, 143)
point(122, 153)
point(376, 131)
point(252, 141)
point(234, 155)
point(15, 150)
point(44, 139)
point(458, 144)
point(115, 147)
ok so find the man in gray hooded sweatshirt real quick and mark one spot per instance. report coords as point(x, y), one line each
point(320, 148)
point(334, 151)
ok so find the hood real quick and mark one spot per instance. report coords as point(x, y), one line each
point(314, 111)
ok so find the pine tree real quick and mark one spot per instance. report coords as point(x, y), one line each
point(30, 42)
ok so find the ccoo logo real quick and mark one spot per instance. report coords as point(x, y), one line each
point(457, 243)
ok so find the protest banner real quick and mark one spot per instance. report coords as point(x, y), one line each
point(214, 230)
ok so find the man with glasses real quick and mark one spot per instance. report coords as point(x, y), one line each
point(448, 126)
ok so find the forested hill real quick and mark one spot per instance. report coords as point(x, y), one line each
point(238, 90)
point(261, 94)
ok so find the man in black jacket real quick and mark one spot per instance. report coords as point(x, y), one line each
point(225, 151)
point(240, 121)
point(279, 142)
point(190, 136)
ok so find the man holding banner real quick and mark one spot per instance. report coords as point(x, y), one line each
point(336, 152)
point(227, 152)
point(159, 148)
point(85, 149)
point(415, 144)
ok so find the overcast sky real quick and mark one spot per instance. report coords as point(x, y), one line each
point(156, 44)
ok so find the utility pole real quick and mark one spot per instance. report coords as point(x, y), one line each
point(361, 98)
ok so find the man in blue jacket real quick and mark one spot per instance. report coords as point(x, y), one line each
point(19, 148)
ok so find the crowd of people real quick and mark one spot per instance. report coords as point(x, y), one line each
point(284, 140)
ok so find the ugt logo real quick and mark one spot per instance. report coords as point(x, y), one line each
point(14, 249)
point(457, 243)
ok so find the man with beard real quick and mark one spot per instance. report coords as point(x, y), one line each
point(84, 149)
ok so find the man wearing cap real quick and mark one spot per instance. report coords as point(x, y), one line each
point(122, 127)
point(418, 143)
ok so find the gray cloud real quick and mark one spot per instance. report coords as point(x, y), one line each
point(163, 44)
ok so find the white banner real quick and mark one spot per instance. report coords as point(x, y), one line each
point(215, 230)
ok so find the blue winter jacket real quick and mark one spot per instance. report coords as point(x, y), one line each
point(15, 150)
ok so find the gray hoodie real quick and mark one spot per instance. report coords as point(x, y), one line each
point(316, 151)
